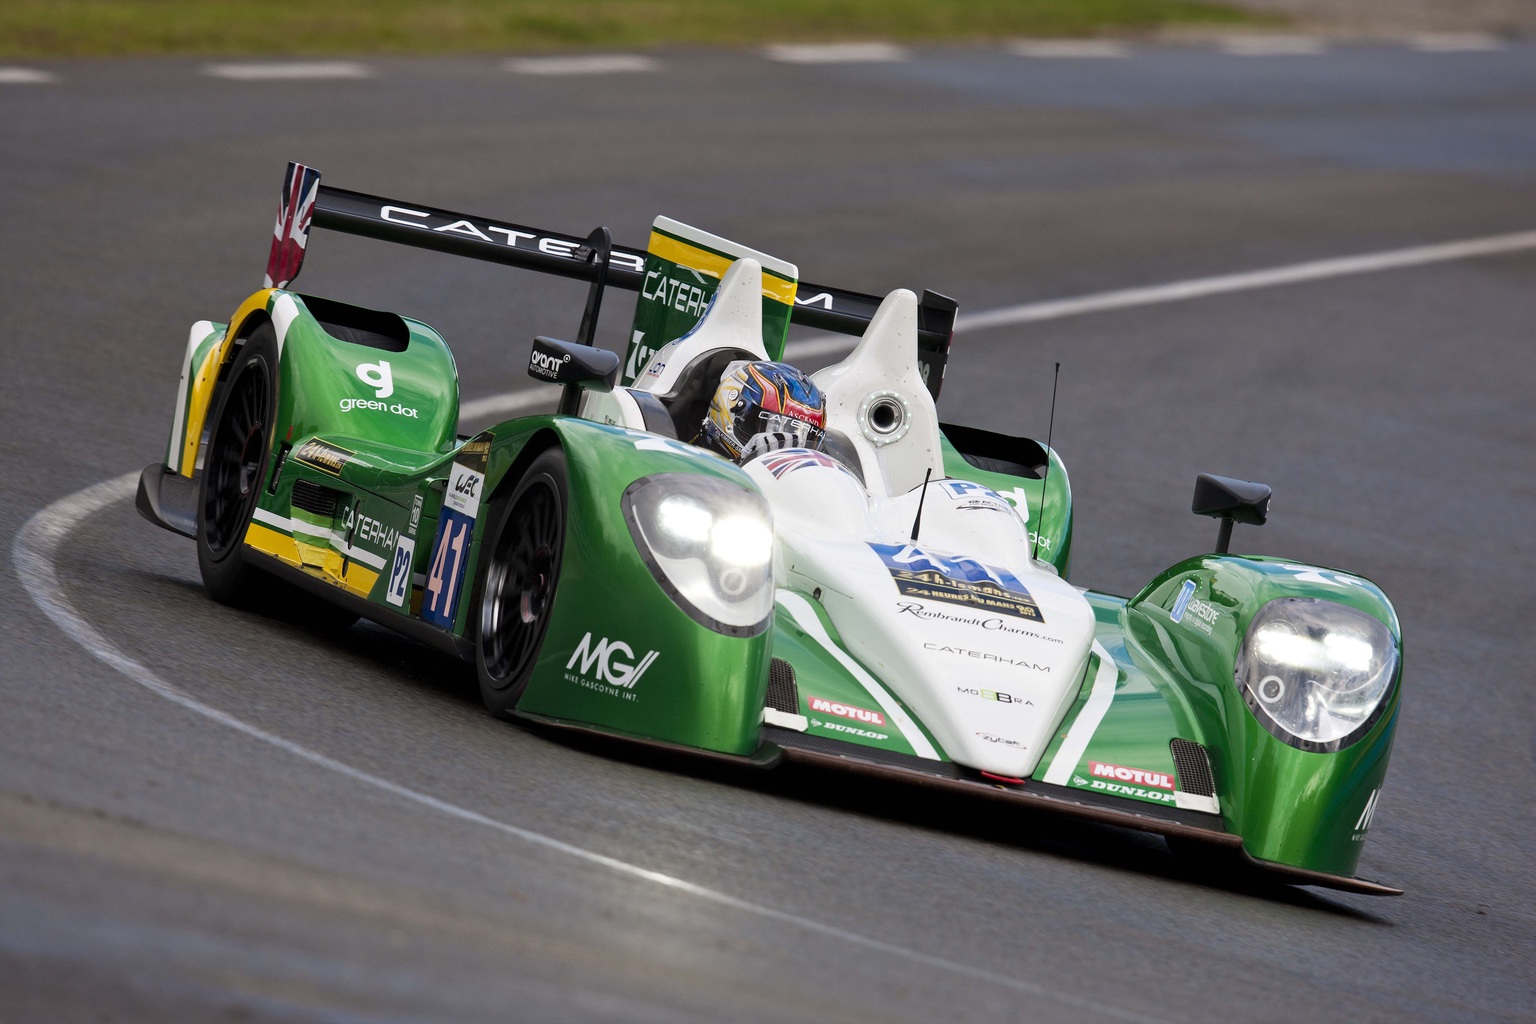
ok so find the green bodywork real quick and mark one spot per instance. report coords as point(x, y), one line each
point(387, 469)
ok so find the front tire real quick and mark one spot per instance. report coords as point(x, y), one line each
point(522, 570)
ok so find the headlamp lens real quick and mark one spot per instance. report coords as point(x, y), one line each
point(709, 543)
point(1316, 672)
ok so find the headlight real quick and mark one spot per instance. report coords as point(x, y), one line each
point(709, 543)
point(1316, 673)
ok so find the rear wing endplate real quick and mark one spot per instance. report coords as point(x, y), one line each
point(307, 203)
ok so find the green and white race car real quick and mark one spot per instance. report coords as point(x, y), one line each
point(893, 600)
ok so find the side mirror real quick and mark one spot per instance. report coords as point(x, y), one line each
point(1231, 501)
point(575, 366)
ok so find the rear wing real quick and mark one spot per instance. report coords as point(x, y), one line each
point(307, 203)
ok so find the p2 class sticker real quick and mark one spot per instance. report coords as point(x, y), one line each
point(400, 572)
point(455, 532)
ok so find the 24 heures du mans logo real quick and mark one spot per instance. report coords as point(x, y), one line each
point(607, 666)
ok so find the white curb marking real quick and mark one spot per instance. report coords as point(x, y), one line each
point(591, 64)
point(289, 71)
point(1454, 42)
point(1068, 48)
point(26, 76)
point(1270, 46)
point(33, 552)
point(836, 53)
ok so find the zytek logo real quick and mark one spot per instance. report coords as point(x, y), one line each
point(547, 364)
point(1158, 780)
point(601, 655)
point(377, 376)
point(829, 707)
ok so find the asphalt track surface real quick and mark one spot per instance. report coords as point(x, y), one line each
point(211, 815)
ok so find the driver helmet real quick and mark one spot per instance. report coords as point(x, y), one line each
point(760, 407)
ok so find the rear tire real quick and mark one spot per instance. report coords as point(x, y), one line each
point(522, 570)
point(235, 469)
point(234, 472)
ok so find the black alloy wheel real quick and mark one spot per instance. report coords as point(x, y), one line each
point(234, 467)
point(522, 569)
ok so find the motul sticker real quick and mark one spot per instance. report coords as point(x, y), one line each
point(1159, 780)
point(829, 707)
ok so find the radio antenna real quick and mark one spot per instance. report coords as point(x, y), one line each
point(920, 499)
point(1045, 478)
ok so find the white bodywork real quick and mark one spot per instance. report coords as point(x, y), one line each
point(991, 666)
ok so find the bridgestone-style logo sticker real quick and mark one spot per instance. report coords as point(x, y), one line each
point(327, 458)
point(964, 581)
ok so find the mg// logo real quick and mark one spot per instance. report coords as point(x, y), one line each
point(377, 376)
point(1368, 815)
point(613, 660)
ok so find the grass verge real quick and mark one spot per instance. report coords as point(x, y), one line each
point(85, 28)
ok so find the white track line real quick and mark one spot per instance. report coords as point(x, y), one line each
point(1295, 273)
point(835, 53)
point(288, 71)
point(1270, 46)
point(1101, 302)
point(26, 76)
point(37, 545)
point(1454, 42)
point(1068, 48)
point(588, 64)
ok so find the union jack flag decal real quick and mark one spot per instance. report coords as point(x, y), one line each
point(300, 187)
point(797, 458)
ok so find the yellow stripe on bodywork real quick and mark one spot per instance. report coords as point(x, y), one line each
point(269, 542)
point(208, 375)
point(359, 579)
point(776, 287)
